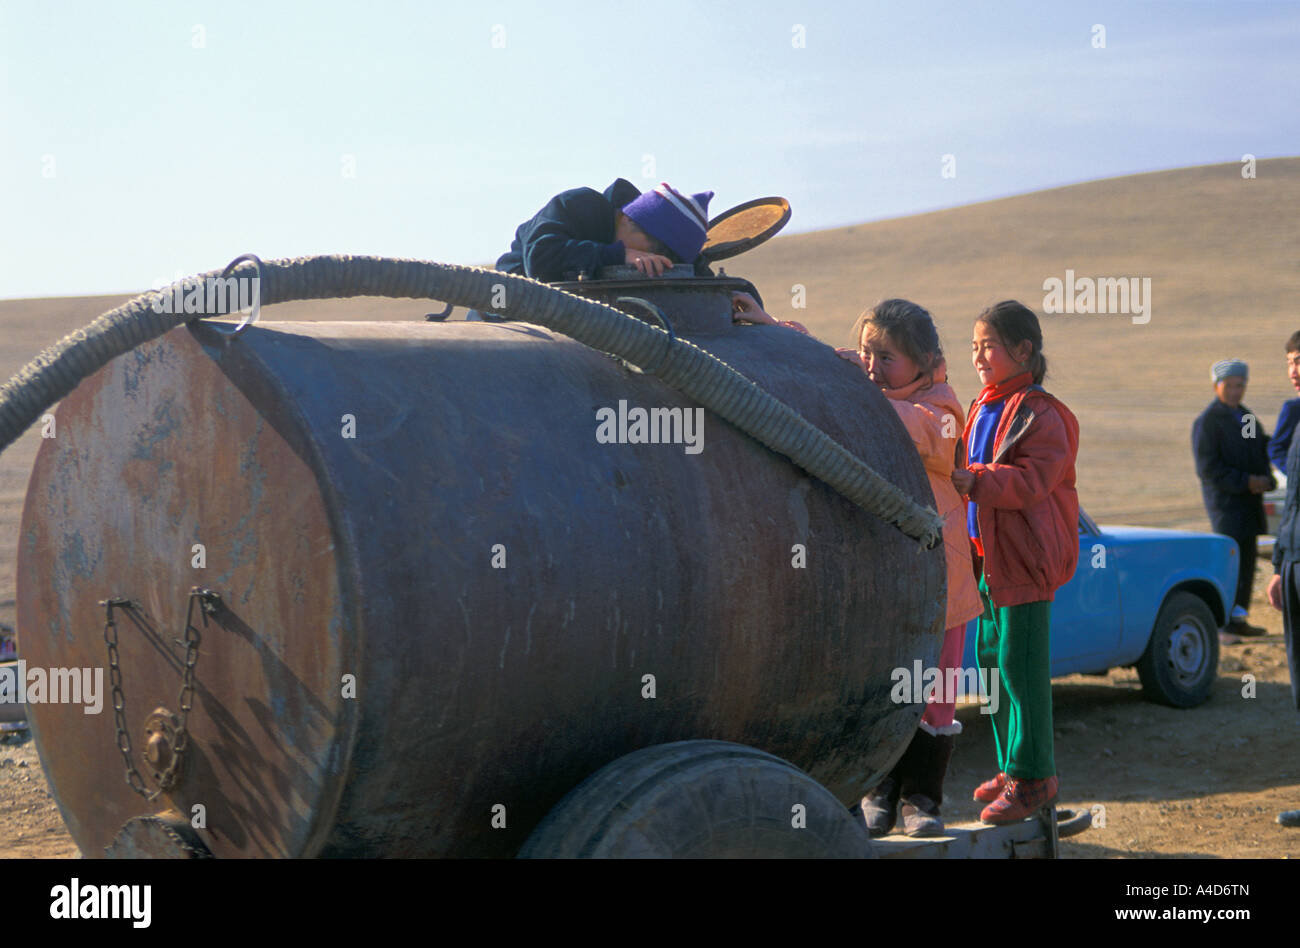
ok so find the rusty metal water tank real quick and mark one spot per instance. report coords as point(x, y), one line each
point(424, 510)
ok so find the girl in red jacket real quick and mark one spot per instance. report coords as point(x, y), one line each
point(1020, 446)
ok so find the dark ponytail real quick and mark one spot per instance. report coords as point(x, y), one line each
point(1014, 323)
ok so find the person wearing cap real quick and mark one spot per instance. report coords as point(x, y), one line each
point(1231, 450)
point(582, 230)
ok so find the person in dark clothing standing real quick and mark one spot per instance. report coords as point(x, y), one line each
point(1231, 450)
point(1284, 587)
point(1280, 443)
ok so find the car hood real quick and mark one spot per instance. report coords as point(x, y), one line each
point(1156, 533)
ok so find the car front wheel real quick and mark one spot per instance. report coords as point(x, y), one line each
point(1182, 658)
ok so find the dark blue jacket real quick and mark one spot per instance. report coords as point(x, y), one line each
point(572, 233)
point(1224, 462)
point(1287, 546)
point(1287, 551)
point(1280, 443)
point(575, 232)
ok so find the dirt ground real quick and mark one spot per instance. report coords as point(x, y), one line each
point(1202, 782)
point(1205, 782)
point(30, 824)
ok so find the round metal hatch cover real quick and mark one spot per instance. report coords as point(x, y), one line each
point(745, 226)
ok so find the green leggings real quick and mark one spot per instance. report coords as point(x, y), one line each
point(1014, 644)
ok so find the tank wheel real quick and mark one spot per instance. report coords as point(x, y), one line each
point(698, 799)
point(1182, 658)
point(166, 835)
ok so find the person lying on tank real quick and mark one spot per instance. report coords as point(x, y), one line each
point(582, 230)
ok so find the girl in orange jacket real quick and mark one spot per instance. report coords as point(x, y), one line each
point(899, 350)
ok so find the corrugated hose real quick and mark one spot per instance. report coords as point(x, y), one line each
point(677, 362)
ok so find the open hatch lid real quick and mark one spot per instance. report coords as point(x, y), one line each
point(744, 227)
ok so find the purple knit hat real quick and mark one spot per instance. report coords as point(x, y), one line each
point(681, 222)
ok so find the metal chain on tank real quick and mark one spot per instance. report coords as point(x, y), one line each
point(191, 639)
point(208, 600)
point(133, 778)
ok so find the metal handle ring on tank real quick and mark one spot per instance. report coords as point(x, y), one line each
point(256, 311)
point(658, 314)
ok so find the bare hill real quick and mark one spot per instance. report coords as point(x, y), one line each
point(1222, 254)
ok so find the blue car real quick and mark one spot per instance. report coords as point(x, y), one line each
point(1151, 598)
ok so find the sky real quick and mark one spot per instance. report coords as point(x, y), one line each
point(143, 141)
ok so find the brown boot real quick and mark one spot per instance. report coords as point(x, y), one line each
point(1242, 627)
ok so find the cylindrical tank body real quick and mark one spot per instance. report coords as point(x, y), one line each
point(447, 595)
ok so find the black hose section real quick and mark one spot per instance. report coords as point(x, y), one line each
point(684, 366)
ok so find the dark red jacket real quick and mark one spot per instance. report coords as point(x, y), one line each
point(1028, 505)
